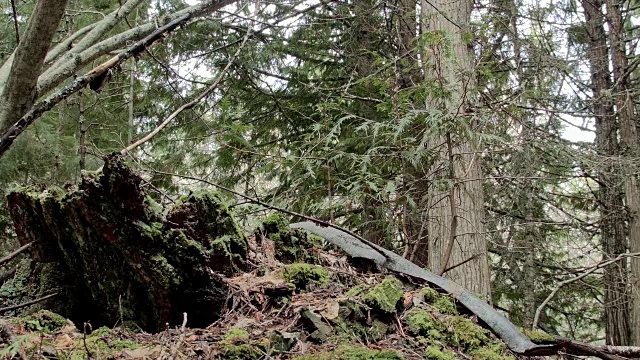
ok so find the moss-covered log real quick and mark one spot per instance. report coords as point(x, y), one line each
point(119, 257)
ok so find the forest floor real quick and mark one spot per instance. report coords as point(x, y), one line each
point(325, 310)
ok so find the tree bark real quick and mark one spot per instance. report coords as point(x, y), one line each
point(449, 64)
point(611, 207)
point(629, 149)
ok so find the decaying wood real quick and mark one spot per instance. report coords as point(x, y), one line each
point(115, 255)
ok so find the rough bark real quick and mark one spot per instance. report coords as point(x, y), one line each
point(454, 236)
point(611, 207)
point(19, 91)
point(107, 246)
point(361, 46)
point(629, 150)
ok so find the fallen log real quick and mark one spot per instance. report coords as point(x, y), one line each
point(502, 327)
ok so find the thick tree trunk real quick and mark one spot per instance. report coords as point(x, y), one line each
point(456, 208)
point(612, 223)
point(629, 150)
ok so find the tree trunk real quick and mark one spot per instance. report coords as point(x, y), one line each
point(611, 207)
point(456, 208)
point(629, 150)
point(19, 93)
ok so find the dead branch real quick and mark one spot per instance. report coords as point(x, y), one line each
point(28, 303)
point(11, 256)
point(536, 318)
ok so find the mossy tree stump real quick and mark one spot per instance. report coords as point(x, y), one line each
point(120, 258)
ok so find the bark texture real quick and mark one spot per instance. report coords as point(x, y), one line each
point(456, 215)
point(612, 223)
point(629, 150)
point(19, 91)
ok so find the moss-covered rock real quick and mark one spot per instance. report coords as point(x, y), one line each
point(236, 345)
point(302, 276)
point(291, 245)
point(386, 295)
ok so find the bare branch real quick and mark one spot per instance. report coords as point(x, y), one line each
point(536, 318)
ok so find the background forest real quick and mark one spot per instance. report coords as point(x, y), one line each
point(493, 141)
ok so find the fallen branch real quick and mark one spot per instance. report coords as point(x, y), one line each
point(28, 303)
point(18, 251)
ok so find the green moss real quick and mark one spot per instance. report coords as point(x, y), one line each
point(236, 346)
point(303, 275)
point(239, 352)
point(123, 344)
point(466, 333)
point(421, 323)
point(488, 354)
point(445, 305)
point(538, 336)
point(45, 321)
point(236, 334)
point(101, 342)
point(291, 245)
point(434, 353)
point(430, 294)
point(356, 290)
point(386, 295)
point(101, 331)
point(347, 352)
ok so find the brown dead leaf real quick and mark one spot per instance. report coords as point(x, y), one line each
point(408, 299)
point(191, 338)
point(63, 341)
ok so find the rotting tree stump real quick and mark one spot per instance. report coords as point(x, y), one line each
point(110, 252)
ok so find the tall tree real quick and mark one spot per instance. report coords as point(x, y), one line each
point(630, 148)
point(611, 208)
point(456, 207)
